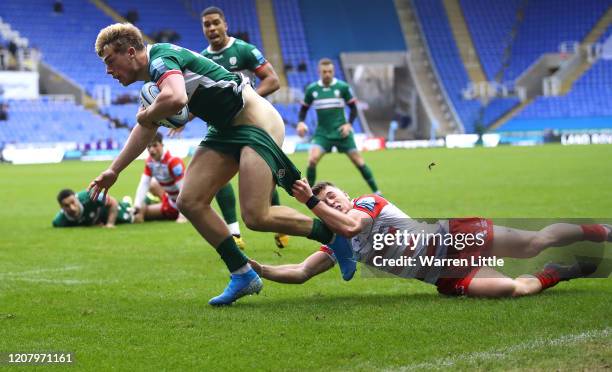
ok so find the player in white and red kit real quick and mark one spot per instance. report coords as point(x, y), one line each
point(163, 174)
point(361, 219)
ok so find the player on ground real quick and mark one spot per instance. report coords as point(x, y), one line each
point(238, 56)
point(329, 96)
point(245, 134)
point(164, 174)
point(79, 210)
point(362, 218)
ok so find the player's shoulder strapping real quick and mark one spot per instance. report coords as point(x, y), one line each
point(176, 166)
point(371, 204)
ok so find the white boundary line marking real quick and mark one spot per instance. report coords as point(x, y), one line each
point(507, 351)
point(57, 281)
point(40, 271)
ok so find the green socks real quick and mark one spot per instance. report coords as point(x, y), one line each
point(367, 175)
point(320, 232)
point(230, 254)
point(275, 197)
point(311, 175)
point(227, 203)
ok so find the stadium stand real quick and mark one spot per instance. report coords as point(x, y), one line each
point(490, 28)
point(547, 24)
point(185, 19)
point(303, 66)
point(51, 120)
point(446, 59)
point(64, 39)
point(354, 27)
point(586, 106)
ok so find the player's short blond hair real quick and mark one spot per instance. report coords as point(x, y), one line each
point(120, 36)
point(325, 62)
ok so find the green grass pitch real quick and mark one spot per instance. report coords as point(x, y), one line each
point(135, 298)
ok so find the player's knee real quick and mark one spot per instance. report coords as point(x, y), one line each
point(537, 245)
point(187, 205)
point(253, 219)
point(521, 289)
point(492, 288)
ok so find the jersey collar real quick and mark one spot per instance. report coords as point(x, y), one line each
point(229, 44)
point(320, 82)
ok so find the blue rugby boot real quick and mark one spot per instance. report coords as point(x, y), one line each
point(239, 286)
point(344, 255)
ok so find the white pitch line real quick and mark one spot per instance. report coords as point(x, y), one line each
point(58, 281)
point(507, 351)
point(40, 271)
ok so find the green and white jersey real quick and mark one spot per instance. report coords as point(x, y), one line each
point(329, 102)
point(215, 94)
point(92, 212)
point(238, 56)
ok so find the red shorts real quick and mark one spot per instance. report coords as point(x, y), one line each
point(167, 209)
point(454, 281)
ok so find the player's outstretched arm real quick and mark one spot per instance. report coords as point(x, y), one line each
point(137, 142)
point(314, 265)
point(113, 211)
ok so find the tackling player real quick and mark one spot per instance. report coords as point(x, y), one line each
point(329, 96)
point(79, 210)
point(362, 218)
point(244, 136)
point(166, 172)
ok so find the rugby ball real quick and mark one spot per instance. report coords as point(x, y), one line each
point(147, 95)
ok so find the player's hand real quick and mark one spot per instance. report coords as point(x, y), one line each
point(142, 117)
point(139, 216)
point(302, 129)
point(175, 131)
point(256, 266)
point(301, 190)
point(102, 183)
point(345, 130)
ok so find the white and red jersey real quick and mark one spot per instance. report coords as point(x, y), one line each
point(387, 220)
point(169, 172)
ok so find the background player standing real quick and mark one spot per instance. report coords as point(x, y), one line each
point(329, 96)
point(240, 57)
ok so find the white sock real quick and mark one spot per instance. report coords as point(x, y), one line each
point(234, 228)
point(244, 269)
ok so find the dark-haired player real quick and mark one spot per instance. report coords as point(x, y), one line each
point(162, 171)
point(79, 210)
point(240, 57)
